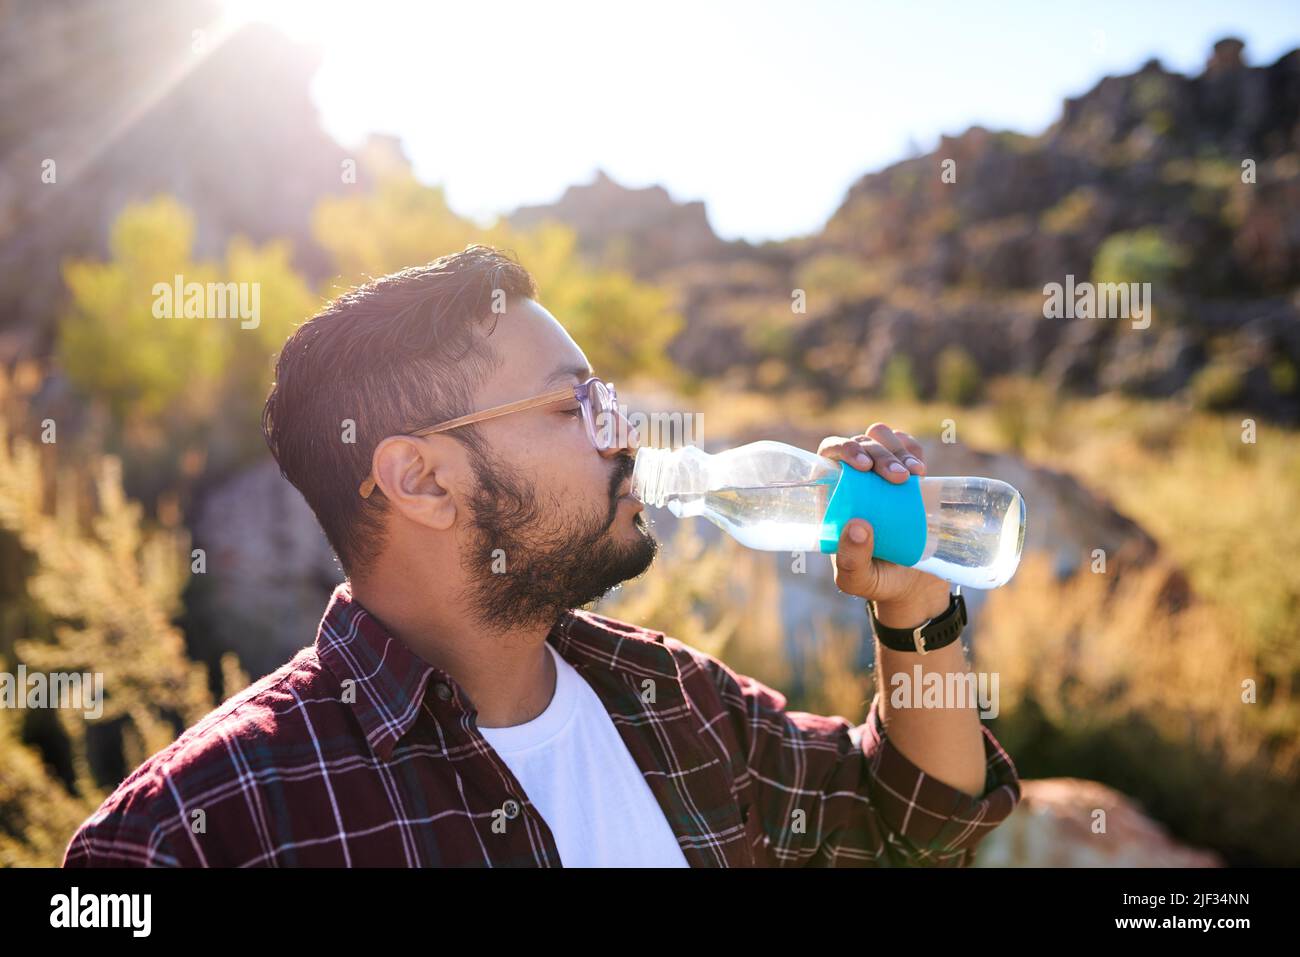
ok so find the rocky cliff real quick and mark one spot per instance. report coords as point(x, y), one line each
point(1188, 183)
point(130, 101)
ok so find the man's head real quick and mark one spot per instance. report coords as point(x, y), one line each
point(521, 515)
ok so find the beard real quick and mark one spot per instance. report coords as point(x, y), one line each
point(528, 561)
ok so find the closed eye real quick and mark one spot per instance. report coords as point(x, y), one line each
point(575, 411)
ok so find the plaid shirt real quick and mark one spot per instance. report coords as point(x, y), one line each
point(359, 753)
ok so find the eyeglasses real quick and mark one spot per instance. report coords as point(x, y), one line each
point(598, 401)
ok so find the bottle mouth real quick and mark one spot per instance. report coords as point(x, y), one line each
point(648, 475)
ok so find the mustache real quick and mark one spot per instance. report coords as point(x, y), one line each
point(623, 466)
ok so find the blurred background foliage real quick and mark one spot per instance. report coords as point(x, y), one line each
point(1131, 677)
point(922, 306)
point(625, 325)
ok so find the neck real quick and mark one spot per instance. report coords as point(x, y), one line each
point(507, 674)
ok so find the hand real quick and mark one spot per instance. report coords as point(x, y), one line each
point(904, 597)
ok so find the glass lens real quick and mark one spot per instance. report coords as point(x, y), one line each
point(604, 414)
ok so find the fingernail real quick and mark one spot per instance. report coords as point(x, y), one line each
point(857, 533)
point(861, 459)
point(912, 460)
point(895, 467)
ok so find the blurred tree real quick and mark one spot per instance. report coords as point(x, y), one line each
point(177, 390)
point(286, 301)
point(623, 325)
point(181, 395)
point(402, 223)
point(113, 346)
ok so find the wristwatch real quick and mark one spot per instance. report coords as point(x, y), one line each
point(934, 634)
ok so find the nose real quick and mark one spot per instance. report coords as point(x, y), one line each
point(625, 437)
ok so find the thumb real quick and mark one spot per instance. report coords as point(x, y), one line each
point(855, 572)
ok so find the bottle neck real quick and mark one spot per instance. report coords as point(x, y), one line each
point(661, 475)
point(649, 475)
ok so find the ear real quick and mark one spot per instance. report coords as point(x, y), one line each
point(417, 476)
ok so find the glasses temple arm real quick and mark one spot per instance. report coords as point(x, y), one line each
point(368, 486)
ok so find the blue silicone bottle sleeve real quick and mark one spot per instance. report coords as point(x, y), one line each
point(896, 514)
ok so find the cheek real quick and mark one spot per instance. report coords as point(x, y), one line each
point(575, 474)
point(577, 459)
point(588, 482)
point(566, 470)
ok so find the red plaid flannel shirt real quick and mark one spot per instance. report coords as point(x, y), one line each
point(359, 753)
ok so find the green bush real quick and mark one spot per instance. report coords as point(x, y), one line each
point(91, 588)
point(957, 376)
point(1283, 376)
point(898, 384)
point(1218, 386)
point(831, 277)
point(1145, 255)
point(1073, 213)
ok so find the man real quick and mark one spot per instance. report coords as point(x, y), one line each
point(456, 708)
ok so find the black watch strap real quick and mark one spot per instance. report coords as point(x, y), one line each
point(934, 634)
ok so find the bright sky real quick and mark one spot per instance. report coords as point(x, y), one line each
point(766, 111)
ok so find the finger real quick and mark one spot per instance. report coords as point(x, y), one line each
point(846, 450)
point(888, 465)
point(886, 437)
point(914, 458)
point(855, 572)
point(907, 458)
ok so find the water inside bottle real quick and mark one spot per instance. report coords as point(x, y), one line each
point(974, 527)
point(775, 517)
point(975, 531)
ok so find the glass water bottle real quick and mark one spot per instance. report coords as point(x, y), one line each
point(776, 497)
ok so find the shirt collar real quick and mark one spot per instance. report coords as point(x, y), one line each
point(386, 682)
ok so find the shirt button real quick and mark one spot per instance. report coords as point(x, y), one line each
point(442, 691)
point(511, 807)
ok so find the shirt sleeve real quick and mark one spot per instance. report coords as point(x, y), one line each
point(830, 794)
point(126, 830)
point(930, 821)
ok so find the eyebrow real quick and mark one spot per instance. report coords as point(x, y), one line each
point(581, 373)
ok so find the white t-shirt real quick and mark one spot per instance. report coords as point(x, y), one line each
point(575, 768)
